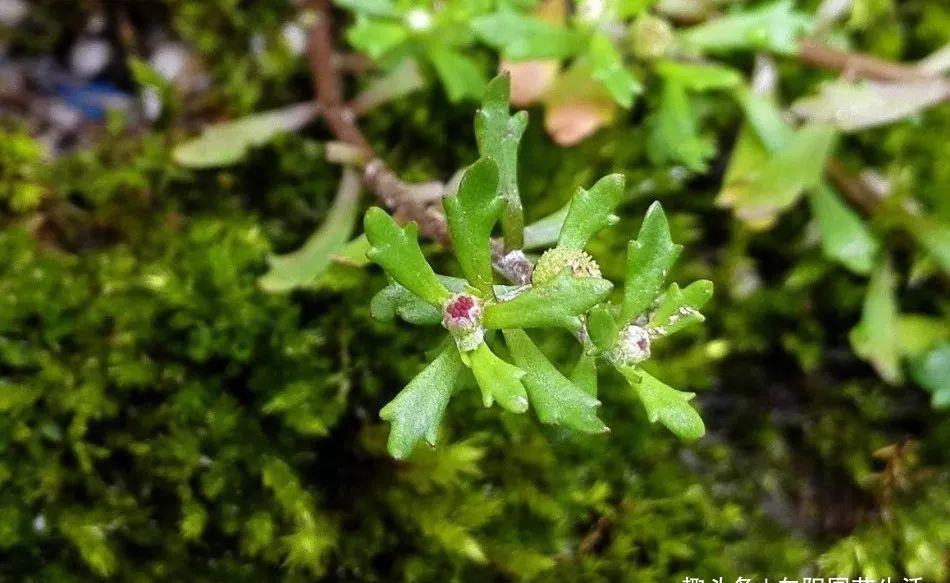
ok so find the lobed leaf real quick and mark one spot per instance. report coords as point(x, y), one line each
point(498, 380)
point(608, 68)
point(591, 211)
point(417, 410)
point(499, 134)
point(649, 259)
point(555, 399)
point(555, 304)
point(665, 404)
point(472, 214)
point(680, 307)
point(303, 266)
point(396, 250)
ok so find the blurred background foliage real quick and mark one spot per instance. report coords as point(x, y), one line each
point(162, 419)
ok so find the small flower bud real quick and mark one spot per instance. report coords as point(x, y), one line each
point(516, 267)
point(633, 346)
point(650, 37)
point(554, 260)
point(462, 317)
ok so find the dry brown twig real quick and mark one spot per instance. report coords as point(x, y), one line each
point(857, 65)
point(340, 118)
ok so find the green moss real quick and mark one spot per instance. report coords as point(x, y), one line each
point(163, 419)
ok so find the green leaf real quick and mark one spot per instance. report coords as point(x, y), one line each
point(673, 131)
point(226, 143)
point(933, 236)
point(584, 374)
point(498, 380)
point(844, 237)
point(591, 211)
point(680, 307)
point(376, 38)
point(699, 77)
point(354, 252)
point(417, 410)
point(369, 7)
point(932, 372)
point(557, 303)
point(397, 251)
point(649, 259)
point(555, 399)
point(918, 333)
point(665, 404)
point(522, 38)
point(607, 67)
point(855, 105)
point(758, 196)
point(401, 80)
point(498, 134)
point(472, 215)
point(765, 117)
point(602, 328)
point(545, 231)
point(776, 27)
point(875, 338)
point(460, 75)
point(303, 266)
point(395, 300)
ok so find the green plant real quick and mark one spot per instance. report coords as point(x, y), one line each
point(563, 291)
point(587, 64)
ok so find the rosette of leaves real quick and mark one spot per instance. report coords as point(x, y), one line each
point(565, 291)
point(475, 311)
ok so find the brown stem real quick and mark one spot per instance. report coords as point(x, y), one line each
point(856, 64)
point(388, 188)
point(852, 187)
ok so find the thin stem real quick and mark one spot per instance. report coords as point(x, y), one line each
point(857, 64)
point(341, 119)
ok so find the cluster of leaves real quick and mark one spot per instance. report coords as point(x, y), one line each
point(584, 63)
point(564, 292)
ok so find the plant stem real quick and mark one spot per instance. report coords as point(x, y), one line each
point(857, 64)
